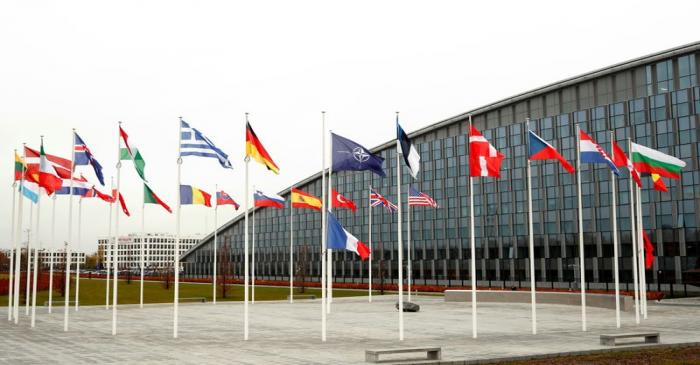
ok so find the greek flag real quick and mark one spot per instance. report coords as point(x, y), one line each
point(194, 143)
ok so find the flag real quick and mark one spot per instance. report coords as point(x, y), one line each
point(106, 197)
point(350, 156)
point(30, 190)
point(484, 159)
point(192, 195)
point(122, 203)
point(83, 156)
point(339, 201)
point(139, 163)
point(61, 166)
point(301, 199)
point(268, 200)
point(224, 199)
point(408, 150)
point(648, 251)
point(194, 143)
point(591, 152)
point(80, 186)
point(659, 184)
point(620, 159)
point(416, 198)
point(339, 239)
point(125, 138)
point(377, 199)
point(19, 167)
point(541, 150)
point(149, 197)
point(255, 149)
point(649, 161)
point(47, 175)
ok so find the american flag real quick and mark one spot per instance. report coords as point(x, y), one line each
point(377, 199)
point(416, 198)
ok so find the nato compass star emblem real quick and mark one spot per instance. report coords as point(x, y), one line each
point(359, 154)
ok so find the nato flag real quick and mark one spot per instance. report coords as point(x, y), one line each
point(350, 156)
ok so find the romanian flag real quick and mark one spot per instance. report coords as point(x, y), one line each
point(192, 195)
point(19, 167)
point(305, 200)
point(255, 149)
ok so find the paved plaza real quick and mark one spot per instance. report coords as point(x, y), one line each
point(283, 333)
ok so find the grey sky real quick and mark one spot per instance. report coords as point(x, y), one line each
point(89, 64)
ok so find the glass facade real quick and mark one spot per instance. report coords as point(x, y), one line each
point(655, 104)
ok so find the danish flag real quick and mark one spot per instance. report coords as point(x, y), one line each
point(484, 160)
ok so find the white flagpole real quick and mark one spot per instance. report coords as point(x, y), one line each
point(408, 246)
point(531, 239)
point(472, 242)
point(176, 257)
point(216, 243)
point(641, 255)
point(329, 252)
point(53, 251)
point(143, 245)
point(28, 288)
point(77, 254)
point(324, 204)
point(252, 266)
point(17, 238)
point(115, 247)
point(616, 253)
point(635, 263)
point(245, 247)
point(400, 238)
point(37, 242)
point(291, 249)
point(66, 300)
point(371, 248)
point(10, 300)
point(582, 258)
point(108, 245)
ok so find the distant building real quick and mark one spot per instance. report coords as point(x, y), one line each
point(59, 256)
point(159, 250)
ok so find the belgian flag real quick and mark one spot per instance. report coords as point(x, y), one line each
point(255, 149)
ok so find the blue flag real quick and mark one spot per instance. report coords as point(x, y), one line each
point(83, 156)
point(350, 156)
point(194, 143)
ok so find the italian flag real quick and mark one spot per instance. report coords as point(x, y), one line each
point(649, 161)
point(149, 197)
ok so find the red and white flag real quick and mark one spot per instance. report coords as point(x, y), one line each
point(339, 201)
point(484, 159)
point(620, 159)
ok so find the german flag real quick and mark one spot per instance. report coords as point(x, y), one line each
point(255, 149)
point(305, 200)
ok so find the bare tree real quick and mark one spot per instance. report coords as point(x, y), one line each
point(302, 267)
point(165, 276)
point(224, 268)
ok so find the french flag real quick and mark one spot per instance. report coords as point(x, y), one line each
point(339, 239)
point(591, 152)
point(541, 150)
point(268, 200)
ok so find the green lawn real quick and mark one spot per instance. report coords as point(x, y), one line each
point(92, 292)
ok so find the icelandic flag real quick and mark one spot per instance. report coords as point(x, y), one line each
point(83, 156)
point(541, 150)
point(591, 152)
point(30, 190)
point(339, 239)
point(194, 143)
point(408, 150)
point(350, 156)
point(268, 200)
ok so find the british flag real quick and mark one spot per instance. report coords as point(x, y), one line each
point(417, 198)
point(377, 199)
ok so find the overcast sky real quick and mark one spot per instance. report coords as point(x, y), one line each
point(88, 64)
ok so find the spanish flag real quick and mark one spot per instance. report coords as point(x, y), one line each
point(305, 200)
point(255, 149)
point(191, 195)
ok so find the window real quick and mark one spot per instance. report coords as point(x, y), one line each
point(664, 76)
point(686, 72)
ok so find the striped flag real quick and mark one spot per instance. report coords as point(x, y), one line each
point(591, 152)
point(254, 149)
point(417, 198)
point(194, 143)
point(377, 199)
point(650, 161)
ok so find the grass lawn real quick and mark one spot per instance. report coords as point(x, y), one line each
point(92, 292)
point(661, 356)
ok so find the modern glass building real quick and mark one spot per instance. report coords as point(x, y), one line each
point(654, 100)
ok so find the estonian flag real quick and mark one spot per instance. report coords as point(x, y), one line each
point(339, 239)
point(410, 154)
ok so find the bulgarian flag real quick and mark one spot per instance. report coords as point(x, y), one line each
point(649, 161)
point(149, 197)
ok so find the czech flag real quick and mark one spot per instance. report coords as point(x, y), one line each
point(192, 195)
point(591, 152)
point(255, 149)
point(268, 200)
point(339, 239)
point(301, 199)
point(224, 199)
point(541, 150)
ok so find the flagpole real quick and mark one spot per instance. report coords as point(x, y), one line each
point(37, 242)
point(143, 245)
point(245, 248)
point(66, 297)
point(472, 242)
point(27, 286)
point(323, 226)
point(252, 266)
point(371, 248)
point(10, 300)
point(329, 251)
point(635, 263)
point(580, 229)
point(115, 247)
point(616, 263)
point(17, 238)
point(176, 257)
point(77, 257)
point(216, 228)
point(408, 246)
point(400, 238)
point(291, 249)
point(531, 239)
point(53, 250)
point(640, 256)
point(108, 254)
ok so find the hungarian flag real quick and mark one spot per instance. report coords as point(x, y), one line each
point(650, 161)
point(19, 167)
point(47, 175)
point(659, 184)
point(133, 154)
point(149, 197)
point(484, 160)
point(620, 159)
point(301, 199)
point(648, 251)
point(339, 201)
point(339, 238)
point(541, 150)
point(255, 150)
